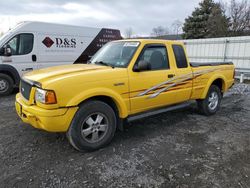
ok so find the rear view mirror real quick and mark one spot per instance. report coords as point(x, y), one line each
point(142, 66)
point(7, 50)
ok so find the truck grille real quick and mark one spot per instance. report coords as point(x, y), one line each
point(25, 89)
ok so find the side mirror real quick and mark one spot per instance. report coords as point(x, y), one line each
point(7, 50)
point(142, 66)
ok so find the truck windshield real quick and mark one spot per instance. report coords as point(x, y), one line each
point(115, 54)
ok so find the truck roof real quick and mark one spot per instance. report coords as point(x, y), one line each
point(153, 41)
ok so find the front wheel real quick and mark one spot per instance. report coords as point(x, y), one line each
point(211, 104)
point(6, 84)
point(93, 126)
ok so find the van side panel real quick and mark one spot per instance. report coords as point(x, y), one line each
point(104, 36)
point(59, 49)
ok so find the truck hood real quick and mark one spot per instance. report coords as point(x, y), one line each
point(51, 74)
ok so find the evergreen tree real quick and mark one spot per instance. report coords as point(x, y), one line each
point(201, 23)
point(217, 23)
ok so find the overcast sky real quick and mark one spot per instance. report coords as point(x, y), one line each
point(140, 15)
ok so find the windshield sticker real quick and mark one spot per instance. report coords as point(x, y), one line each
point(131, 44)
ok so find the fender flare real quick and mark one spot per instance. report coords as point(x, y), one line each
point(210, 81)
point(11, 71)
point(85, 95)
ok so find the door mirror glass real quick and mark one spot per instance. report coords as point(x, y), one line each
point(142, 66)
point(7, 50)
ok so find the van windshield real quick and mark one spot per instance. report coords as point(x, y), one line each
point(115, 54)
point(2, 38)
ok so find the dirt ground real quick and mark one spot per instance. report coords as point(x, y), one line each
point(174, 149)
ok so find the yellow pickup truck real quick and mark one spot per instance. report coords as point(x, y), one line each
point(124, 80)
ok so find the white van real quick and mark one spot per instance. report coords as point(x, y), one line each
point(35, 45)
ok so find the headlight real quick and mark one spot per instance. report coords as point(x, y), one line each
point(45, 96)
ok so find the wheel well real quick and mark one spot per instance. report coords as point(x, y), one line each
point(112, 104)
point(107, 100)
point(219, 83)
point(9, 74)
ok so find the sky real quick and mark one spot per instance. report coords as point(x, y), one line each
point(140, 15)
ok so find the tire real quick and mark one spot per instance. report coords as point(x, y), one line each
point(211, 104)
point(6, 84)
point(93, 126)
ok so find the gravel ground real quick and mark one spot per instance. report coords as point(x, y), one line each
point(174, 149)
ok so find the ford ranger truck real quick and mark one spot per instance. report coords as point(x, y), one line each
point(124, 80)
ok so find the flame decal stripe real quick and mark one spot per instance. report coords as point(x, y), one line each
point(172, 83)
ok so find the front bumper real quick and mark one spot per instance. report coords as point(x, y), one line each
point(55, 120)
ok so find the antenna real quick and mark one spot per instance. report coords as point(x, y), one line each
point(9, 21)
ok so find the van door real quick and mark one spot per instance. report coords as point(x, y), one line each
point(23, 53)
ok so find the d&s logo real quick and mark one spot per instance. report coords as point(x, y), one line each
point(48, 42)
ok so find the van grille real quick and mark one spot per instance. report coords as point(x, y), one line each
point(25, 89)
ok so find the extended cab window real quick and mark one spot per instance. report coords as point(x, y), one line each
point(180, 56)
point(21, 44)
point(157, 57)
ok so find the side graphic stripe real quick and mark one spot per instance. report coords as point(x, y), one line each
point(167, 85)
point(163, 83)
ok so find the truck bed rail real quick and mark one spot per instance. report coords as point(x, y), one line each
point(198, 64)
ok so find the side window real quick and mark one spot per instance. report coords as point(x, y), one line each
point(156, 56)
point(25, 44)
point(180, 56)
point(13, 45)
point(21, 44)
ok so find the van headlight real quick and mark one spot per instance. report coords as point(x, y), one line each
point(45, 96)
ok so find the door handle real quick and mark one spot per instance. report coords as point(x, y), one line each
point(33, 57)
point(27, 69)
point(171, 75)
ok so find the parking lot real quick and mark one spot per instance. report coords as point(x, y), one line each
point(174, 149)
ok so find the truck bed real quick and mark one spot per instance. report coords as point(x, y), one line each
point(199, 64)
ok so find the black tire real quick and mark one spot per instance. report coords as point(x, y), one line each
point(80, 125)
point(6, 84)
point(205, 106)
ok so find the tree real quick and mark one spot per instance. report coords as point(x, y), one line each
point(159, 31)
point(239, 13)
point(198, 25)
point(128, 33)
point(218, 22)
point(177, 25)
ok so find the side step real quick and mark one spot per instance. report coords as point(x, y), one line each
point(158, 111)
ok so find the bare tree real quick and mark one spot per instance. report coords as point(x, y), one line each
point(159, 31)
point(239, 13)
point(128, 33)
point(177, 25)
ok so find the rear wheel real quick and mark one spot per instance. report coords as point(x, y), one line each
point(6, 84)
point(93, 126)
point(211, 104)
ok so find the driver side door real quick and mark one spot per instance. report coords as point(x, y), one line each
point(145, 86)
point(22, 47)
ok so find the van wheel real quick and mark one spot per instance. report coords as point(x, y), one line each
point(93, 126)
point(211, 104)
point(6, 84)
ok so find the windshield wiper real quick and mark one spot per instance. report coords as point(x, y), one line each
point(103, 63)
